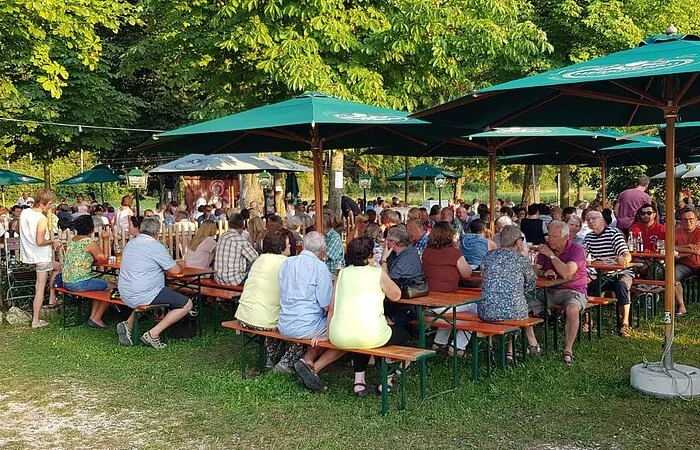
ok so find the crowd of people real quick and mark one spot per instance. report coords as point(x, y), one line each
point(345, 283)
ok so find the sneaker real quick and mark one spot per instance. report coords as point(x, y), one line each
point(307, 377)
point(281, 368)
point(154, 342)
point(625, 331)
point(124, 334)
point(269, 364)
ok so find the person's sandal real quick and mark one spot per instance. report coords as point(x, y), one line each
point(451, 351)
point(437, 347)
point(534, 350)
point(509, 358)
point(368, 389)
point(389, 389)
point(568, 358)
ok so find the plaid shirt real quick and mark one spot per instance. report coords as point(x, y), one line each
point(234, 256)
point(334, 250)
point(421, 244)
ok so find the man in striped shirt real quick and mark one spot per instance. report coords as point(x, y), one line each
point(605, 243)
point(234, 254)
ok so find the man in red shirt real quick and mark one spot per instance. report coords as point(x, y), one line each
point(629, 202)
point(687, 241)
point(645, 223)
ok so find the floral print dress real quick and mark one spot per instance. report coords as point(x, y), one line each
point(77, 264)
point(508, 275)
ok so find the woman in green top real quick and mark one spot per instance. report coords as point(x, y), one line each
point(356, 314)
point(81, 251)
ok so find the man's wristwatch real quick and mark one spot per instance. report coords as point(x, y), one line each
point(553, 257)
point(382, 261)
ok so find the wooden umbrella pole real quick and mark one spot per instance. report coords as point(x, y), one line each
point(670, 114)
point(317, 153)
point(406, 180)
point(492, 191)
point(603, 179)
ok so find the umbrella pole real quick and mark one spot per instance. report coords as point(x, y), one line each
point(317, 153)
point(102, 193)
point(492, 190)
point(603, 179)
point(405, 181)
point(670, 114)
point(423, 188)
point(3, 195)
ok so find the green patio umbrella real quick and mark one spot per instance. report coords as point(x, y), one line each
point(658, 80)
point(687, 135)
point(291, 184)
point(311, 121)
point(509, 141)
point(99, 174)
point(10, 178)
point(423, 172)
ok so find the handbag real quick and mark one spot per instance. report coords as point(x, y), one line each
point(414, 289)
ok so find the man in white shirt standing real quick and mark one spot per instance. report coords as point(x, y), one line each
point(25, 200)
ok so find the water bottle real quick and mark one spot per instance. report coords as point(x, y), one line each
point(640, 243)
point(631, 243)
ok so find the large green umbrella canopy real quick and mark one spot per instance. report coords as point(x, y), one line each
point(10, 178)
point(687, 136)
point(423, 172)
point(641, 86)
point(99, 174)
point(311, 121)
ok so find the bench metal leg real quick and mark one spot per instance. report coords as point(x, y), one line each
point(599, 314)
point(475, 357)
point(555, 329)
point(423, 363)
point(385, 386)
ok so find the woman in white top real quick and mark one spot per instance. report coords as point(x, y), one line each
point(121, 217)
point(200, 252)
point(36, 246)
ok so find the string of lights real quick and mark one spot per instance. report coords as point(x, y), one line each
point(79, 126)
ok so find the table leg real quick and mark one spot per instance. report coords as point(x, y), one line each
point(423, 364)
point(385, 388)
point(455, 382)
point(475, 357)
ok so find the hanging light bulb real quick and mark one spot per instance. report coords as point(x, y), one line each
point(80, 128)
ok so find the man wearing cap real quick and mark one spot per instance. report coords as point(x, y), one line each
point(605, 243)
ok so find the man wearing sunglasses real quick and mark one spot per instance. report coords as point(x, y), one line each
point(645, 223)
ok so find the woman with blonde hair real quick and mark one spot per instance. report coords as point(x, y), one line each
point(256, 232)
point(121, 217)
point(361, 222)
point(200, 251)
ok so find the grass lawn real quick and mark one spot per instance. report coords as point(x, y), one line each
point(76, 388)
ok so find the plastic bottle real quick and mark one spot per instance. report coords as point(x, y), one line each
point(640, 243)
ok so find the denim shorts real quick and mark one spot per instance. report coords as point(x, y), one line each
point(91, 284)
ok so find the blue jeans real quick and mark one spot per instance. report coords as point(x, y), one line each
point(91, 284)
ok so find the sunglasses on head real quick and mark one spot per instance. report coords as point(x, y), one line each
point(646, 213)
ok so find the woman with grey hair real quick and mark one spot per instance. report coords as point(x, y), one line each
point(508, 275)
point(574, 224)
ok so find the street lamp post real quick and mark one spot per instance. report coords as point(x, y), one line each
point(440, 182)
point(365, 183)
point(137, 179)
point(265, 181)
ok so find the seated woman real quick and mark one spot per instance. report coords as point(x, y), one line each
point(259, 305)
point(356, 314)
point(256, 232)
point(508, 275)
point(374, 232)
point(358, 229)
point(81, 251)
point(443, 266)
point(200, 252)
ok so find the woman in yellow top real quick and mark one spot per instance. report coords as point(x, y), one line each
point(356, 314)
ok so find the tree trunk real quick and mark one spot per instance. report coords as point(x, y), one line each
point(536, 181)
point(47, 175)
point(253, 191)
point(564, 187)
point(459, 183)
point(336, 166)
point(528, 195)
point(279, 195)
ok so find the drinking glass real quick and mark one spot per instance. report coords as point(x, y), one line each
point(661, 246)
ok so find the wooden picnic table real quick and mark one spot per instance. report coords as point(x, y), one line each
point(540, 283)
point(654, 260)
point(439, 305)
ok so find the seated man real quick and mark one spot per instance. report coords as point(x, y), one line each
point(604, 242)
point(405, 268)
point(418, 235)
point(687, 241)
point(447, 214)
point(464, 218)
point(142, 282)
point(474, 245)
point(335, 255)
point(305, 296)
point(563, 258)
point(647, 225)
point(234, 254)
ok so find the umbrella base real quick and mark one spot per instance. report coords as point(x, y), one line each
point(681, 381)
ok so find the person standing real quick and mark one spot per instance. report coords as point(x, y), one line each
point(25, 199)
point(36, 243)
point(629, 202)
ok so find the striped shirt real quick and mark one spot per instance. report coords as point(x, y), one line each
point(234, 256)
point(607, 245)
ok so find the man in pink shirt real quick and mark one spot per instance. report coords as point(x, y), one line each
point(629, 202)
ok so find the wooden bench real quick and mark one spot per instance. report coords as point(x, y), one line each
point(480, 330)
point(646, 294)
point(221, 293)
point(398, 355)
point(102, 296)
point(522, 324)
